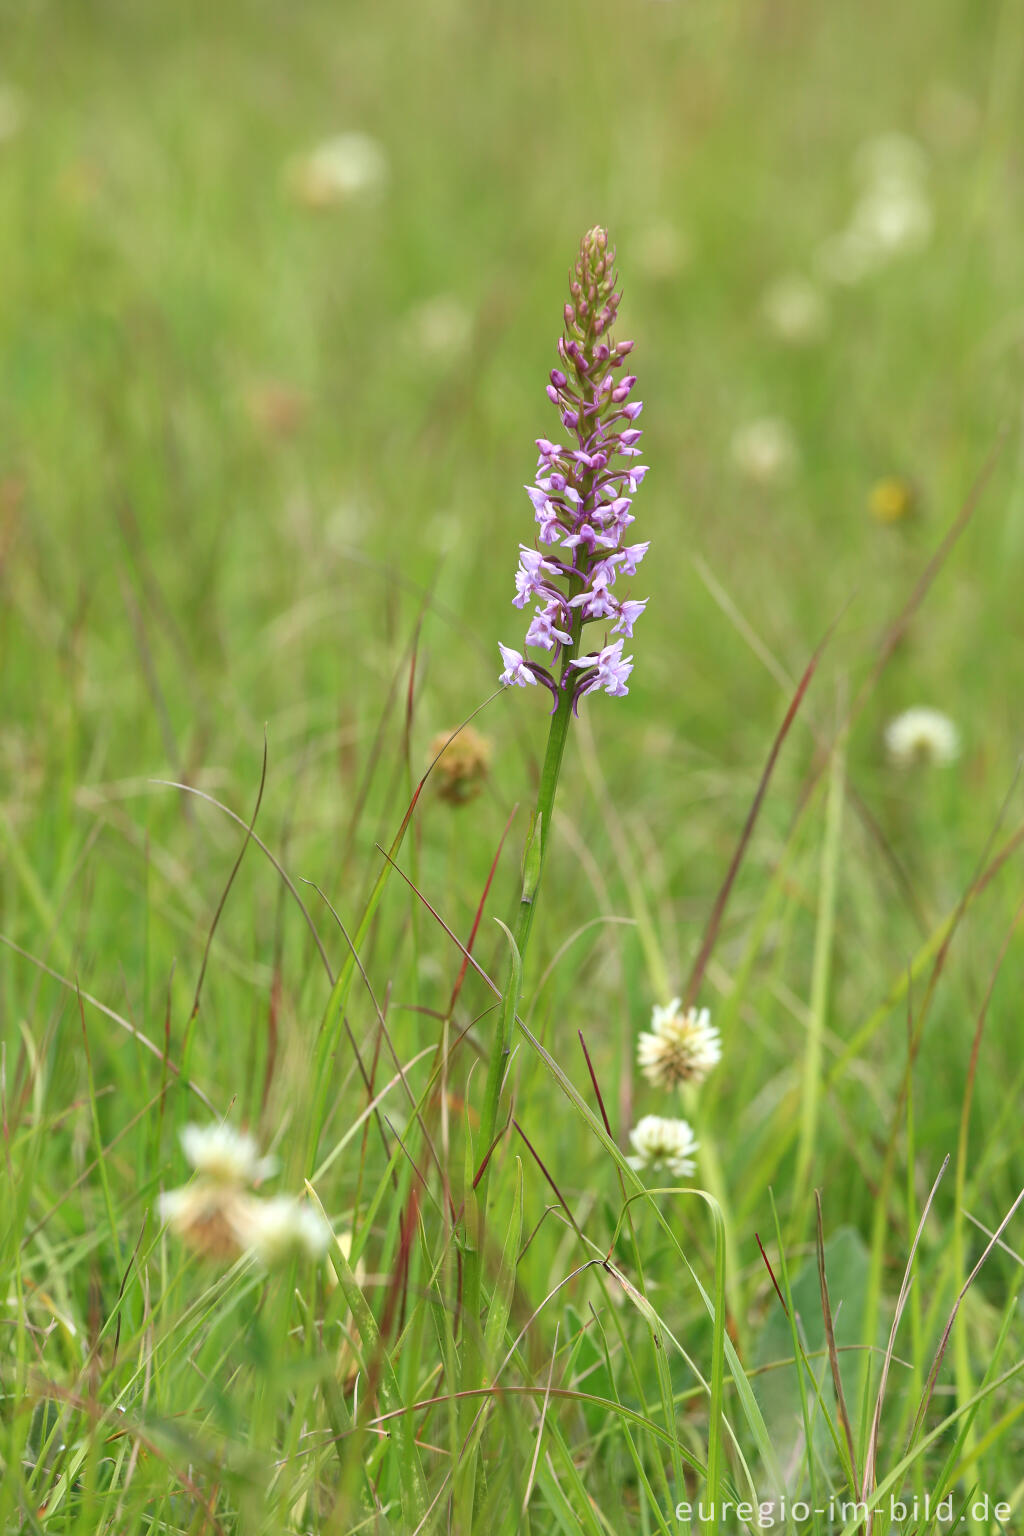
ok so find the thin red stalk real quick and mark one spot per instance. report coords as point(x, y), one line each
point(718, 910)
point(479, 914)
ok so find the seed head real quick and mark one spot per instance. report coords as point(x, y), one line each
point(462, 765)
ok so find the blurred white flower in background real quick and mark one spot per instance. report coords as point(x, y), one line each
point(225, 1156)
point(795, 310)
point(892, 217)
point(218, 1214)
point(922, 735)
point(765, 451)
point(282, 1228)
point(11, 112)
point(659, 1143)
point(441, 328)
point(343, 169)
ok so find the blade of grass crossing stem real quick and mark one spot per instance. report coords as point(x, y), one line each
point(718, 1337)
point(500, 1050)
point(471, 1372)
point(847, 1452)
point(722, 900)
point(101, 1160)
point(658, 1326)
point(571, 1520)
point(330, 1028)
point(668, 1408)
point(499, 1309)
point(477, 1182)
point(799, 1358)
point(634, 1454)
point(959, 1459)
point(748, 1402)
point(913, 1219)
point(410, 1470)
point(505, 1280)
point(820, 976)
point(713, 1177)
point(639, 1387)
point(893, 1479)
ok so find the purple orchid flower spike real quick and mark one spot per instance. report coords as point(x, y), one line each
point(582, 498)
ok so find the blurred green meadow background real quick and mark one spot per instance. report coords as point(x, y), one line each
point(280, 287)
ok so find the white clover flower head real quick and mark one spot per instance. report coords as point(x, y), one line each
point(659, 1143)
point(221, 1155)
point(922, 735)
point(795, 310)
point(281, 1228)
point(893, 219)
point(681, 1047)
point(342, 169)
point(893, 215)
point(210, 1218)
point(765, 451)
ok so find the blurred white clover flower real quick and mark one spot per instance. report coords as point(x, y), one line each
point(681, 1046)
point(281, 1228)
point(220, 1216)
point(922, 735)
point(660, 1143)
point(765, 451)
point(222, 1155)
point(893, 219)
point(342, 169)
point(210, 1218)
point(893, 215)
point(795, 310)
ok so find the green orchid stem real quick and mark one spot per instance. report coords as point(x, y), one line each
point(533, 868)
point(473, 1363)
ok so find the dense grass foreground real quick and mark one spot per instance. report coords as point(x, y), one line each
point(265, 414)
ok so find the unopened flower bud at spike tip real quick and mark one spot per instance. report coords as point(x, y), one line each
point(582, 498)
